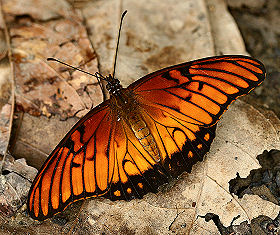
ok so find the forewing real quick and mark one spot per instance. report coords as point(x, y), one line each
point(200, 91)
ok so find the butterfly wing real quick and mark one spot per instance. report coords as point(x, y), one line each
point(181, 104)
point(76, 168)
point(201, 90)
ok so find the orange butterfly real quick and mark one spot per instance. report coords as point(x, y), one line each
point(157, 128)
point(145, 134)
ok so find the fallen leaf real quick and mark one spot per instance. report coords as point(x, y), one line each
point(36, 137)
point(157, 34)
point(226, 36)
point(43, 87)
point(6, 93)
point(150, 40)
point(5, 106)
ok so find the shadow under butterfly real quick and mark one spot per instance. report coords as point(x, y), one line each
point(153, 130)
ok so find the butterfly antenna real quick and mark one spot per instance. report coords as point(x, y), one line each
point(117, 48)
point(97, 75)
point(100, 76)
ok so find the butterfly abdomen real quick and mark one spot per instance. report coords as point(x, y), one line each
point(124, 104)
point(143, 134)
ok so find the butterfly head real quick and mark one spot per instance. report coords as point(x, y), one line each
point(113, 85)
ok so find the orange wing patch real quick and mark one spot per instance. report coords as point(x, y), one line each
point(200, 91)
point(76, 169)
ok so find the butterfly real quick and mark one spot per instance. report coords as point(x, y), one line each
point(144, 135)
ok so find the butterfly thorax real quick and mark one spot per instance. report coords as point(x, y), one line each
point(126, 106)
point(113, 85)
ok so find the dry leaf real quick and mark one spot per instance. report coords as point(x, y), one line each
point(42, 88)
point(226, 36)
point(156, 34)
point(153, 36)
point(5, 107)
point(38, 136)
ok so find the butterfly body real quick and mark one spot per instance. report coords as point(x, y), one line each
point(156, 128)
point(126, 106)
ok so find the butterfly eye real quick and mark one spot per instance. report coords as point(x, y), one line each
point(113, 86)
point(108, 87)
